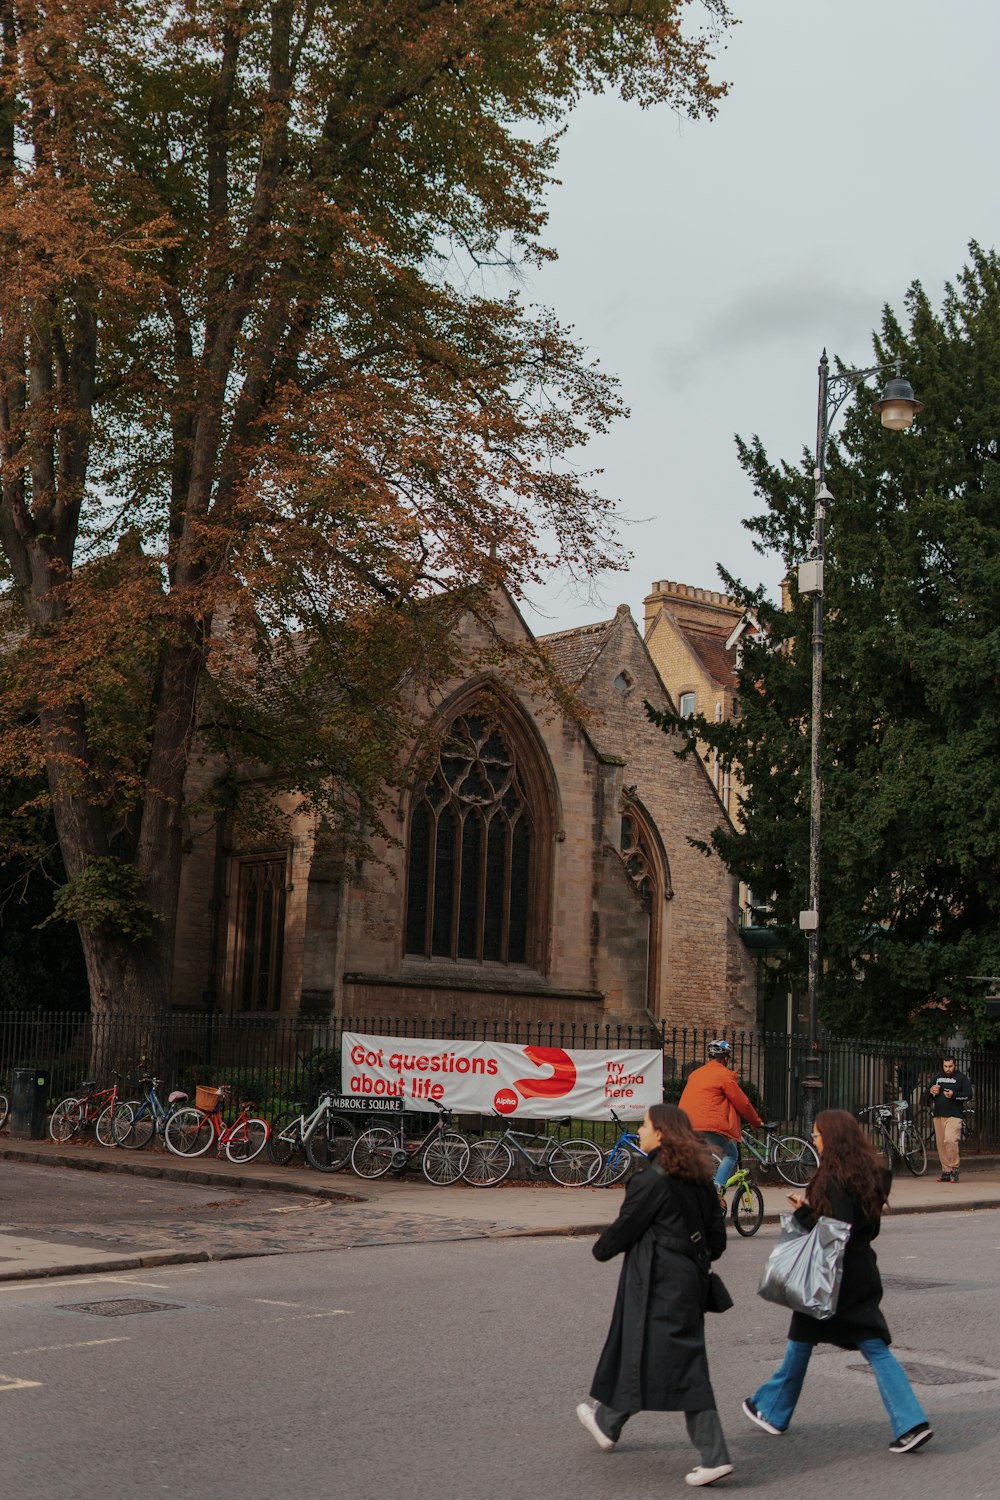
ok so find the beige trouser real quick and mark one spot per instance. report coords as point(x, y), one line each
point(947, 1133)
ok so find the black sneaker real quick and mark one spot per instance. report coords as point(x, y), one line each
point(947, 1177)
point(915, 1438)
point(750, 1410)
point(954, 1176)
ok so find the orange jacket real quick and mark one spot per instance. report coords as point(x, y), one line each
point(713, 1100)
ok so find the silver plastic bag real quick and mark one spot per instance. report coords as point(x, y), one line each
point(804, 1269)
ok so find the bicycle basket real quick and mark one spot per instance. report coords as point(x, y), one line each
point(208, 1098)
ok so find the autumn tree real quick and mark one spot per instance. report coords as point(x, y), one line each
point(266, 422)
point(911, 796)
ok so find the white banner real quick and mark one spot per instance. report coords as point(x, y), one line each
point(479, 1077)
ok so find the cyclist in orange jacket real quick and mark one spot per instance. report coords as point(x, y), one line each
point(716, 1106)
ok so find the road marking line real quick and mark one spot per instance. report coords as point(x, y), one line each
point(160, 1286)
point(11, 1383)
point(83, 1344)
point(333, 1312)
point(268, 1302)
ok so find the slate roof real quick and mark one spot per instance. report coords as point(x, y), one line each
point(575, 651)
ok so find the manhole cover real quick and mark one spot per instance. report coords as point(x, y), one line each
point(119, 1307)
point(936, 1374)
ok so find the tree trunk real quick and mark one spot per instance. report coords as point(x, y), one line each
point(129, 995)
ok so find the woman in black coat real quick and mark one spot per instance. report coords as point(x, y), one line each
point(670, 1227)
point(850, 1185)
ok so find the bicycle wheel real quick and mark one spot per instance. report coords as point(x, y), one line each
point(490, 1161)
point(616, 1164)
point(913, 1150)
point(4, 1110)
point(67, 1120)
point(133, 1125)
point(445, 1159)
point(575, 1163)
point(747, 1212)
point(247, 1141)
point(331, 1143)
point(189, 1132)
point(795, 1160)
point(372, 1153)
point(104, 1130)
point(285, 1138)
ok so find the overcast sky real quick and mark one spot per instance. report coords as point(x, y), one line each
point(707, 264)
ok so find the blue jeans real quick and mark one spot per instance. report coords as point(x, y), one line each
point(776, 1398)
point(728, 1150)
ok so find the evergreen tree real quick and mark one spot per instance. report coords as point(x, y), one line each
point(910, 837)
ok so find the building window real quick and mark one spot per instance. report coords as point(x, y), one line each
point(623, 683)
point(638, 859)
point(686, 706)
point(471, 850)
point(260, 935)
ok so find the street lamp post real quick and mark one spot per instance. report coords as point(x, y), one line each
point(897, 407)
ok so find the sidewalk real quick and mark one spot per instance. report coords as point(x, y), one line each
point(360, 1213)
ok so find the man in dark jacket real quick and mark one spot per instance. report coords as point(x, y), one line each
point(949, 1094)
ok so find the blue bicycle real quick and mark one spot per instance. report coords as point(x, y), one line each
point(136, 1123)
point(620, 1159)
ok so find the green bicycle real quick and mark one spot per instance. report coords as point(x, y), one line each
point(747, 1207)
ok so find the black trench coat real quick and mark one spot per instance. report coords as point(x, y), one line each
point(858, 1315)
point(654, 1357)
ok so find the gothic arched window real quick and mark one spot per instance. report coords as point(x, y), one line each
point(471, 849)
point(637, 858)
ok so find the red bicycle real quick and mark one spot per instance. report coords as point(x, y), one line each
point(91, 1107)
point(191, 1131)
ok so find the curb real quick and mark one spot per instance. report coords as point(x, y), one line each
point(137, 1167)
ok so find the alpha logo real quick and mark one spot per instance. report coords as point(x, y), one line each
point(560, 1081)
point(505, 1101)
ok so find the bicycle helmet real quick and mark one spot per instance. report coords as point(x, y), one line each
point(719, 1051)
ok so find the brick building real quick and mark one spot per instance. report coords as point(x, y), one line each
point(694, 639)
point(543, 871)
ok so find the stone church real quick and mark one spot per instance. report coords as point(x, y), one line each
point(544, 872)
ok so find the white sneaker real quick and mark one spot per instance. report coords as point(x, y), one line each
point(588, 1419)
point(701, 1475)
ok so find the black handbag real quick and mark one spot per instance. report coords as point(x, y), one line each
point(717, 1299)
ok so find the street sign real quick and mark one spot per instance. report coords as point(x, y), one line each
point(365, 1104)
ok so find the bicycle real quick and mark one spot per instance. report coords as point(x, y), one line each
point(327, 1137)
point(191, 1131)
point(896, 1135)
point(92, 1106)
point(443, 1154)
point(4, 1110)
point(747, 1208)
point(621, 1159)
point(794, 1159)
point(572, 1163)
point(136, 1122)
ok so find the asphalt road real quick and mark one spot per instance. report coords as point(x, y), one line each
point(451, 1370)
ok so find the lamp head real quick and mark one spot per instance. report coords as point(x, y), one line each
point(897, 405)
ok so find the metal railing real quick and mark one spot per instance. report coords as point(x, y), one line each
point(275, 1060)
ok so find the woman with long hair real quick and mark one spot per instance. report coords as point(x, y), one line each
point(670, 1227)
point(850, 1184)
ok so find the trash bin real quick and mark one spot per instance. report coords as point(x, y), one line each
point(27, 1105)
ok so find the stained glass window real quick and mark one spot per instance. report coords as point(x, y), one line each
point(470, 849)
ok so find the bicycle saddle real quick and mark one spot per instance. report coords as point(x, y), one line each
point(771, 1125)
point(88, 1083)
point(177, 1097)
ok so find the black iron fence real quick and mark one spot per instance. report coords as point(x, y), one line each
point(279, 1060)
